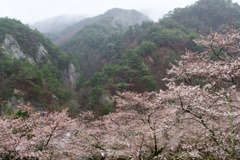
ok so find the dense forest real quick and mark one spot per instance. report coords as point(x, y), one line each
point(116, 90)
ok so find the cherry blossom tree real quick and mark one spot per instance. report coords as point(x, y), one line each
point(210, 94)
point(198, 116)
point(41, 135)
point(204, 90)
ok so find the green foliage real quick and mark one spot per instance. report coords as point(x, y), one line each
point(63, 61)
point(107, 110)
point(146, 48)
point(129, 70)
point(73, 107)
point(95, 93)
point(164, 36)
point(9, 111)
point(38, 77)
point(52, 76)
point(149, 83)
point(173, 57)
point(113, 47)
point(80, 82)
point(22, 114)
point(131, 59)
point(99, 78)
point(36, 92)
point(17, 74)
point(7, 90)
point(121, 86)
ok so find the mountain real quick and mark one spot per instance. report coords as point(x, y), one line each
point(32, 69)
point(112, 59)
point(102, 55)
point(120, 19)
point(56, 24)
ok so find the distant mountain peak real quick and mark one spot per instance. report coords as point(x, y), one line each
point(117, 10)
point(126, 15)
point(120, 17)
point(58, 23)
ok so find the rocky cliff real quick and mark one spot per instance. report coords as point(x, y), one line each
point(12, 49)
point(32, 69)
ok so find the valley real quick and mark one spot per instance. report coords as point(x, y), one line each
point(120, 86)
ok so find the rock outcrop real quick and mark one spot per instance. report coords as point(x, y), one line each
point(71, 75)
point(11, 48)
point(41, 53)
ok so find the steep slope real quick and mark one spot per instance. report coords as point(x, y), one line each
point(120, 18)
point(32, 68)
point(56, 24)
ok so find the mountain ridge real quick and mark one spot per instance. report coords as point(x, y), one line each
point(121, 18)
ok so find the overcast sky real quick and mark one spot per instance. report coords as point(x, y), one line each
point(29, 11)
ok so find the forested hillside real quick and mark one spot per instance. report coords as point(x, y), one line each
point(207, 15)
point(106, 54)
point(110, 60)
point(31, 67)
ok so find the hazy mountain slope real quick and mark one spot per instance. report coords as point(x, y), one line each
point(120, 18)
point(56, 24)
point(206, 15)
